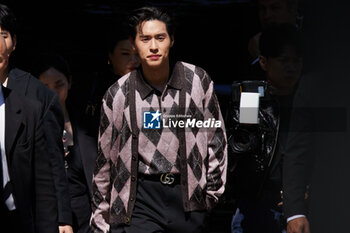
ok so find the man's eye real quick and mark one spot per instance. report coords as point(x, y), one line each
point(126, 54)
point(160, 37)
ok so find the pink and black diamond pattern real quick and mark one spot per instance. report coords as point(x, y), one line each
point(158, 149)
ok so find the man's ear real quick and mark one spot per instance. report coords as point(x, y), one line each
point(14, 42)
point(7, 58)
point(263, 62)
point(172, 41)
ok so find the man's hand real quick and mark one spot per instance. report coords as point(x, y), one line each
point(65, 229)
point(298, 225)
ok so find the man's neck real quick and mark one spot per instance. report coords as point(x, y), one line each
point(3, 77)
point(158, 75)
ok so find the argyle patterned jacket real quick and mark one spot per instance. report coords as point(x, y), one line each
point(199, 154)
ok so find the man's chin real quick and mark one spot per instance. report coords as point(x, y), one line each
point(154, 64)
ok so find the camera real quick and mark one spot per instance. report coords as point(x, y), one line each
point(251, 145)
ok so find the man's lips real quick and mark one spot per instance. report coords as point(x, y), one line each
point(154, 57)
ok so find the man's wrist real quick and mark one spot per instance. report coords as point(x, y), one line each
point(295, 216)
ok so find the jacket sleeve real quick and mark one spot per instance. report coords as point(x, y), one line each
point(298, 155)
point(53, 128)
point(217, 149)
point(45, 197)
point(101, 183)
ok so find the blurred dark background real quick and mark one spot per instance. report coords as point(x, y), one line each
point(212, 34)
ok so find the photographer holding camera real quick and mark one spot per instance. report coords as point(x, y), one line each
point(257, 143)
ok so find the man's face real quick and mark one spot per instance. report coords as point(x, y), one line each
point(283, 71)
point(124, 58)
point(3, 56)
point(10, 42)
point(275, 12)
point(57, 82)
point(153, 44)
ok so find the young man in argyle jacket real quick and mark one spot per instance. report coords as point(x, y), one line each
point(162, 153)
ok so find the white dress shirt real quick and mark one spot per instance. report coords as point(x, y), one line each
point(295, 216)
point(5, 172)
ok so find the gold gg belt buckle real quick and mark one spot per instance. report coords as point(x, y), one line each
point(167, 178)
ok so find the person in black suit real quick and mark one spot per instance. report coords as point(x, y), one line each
point(28, 200)
point(25, 84)
point(80, 147)
point(257, 150)
point(318, 146)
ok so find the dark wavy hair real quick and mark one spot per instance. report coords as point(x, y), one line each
point(119, 30)
point(136, 17)
point(46, 61)
point(8, 20)
point(274, 39)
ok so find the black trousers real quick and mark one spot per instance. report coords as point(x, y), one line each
point(159, 208)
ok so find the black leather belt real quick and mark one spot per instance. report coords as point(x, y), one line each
point(164, 178)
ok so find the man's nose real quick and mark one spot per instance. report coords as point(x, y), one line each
point(154, 45)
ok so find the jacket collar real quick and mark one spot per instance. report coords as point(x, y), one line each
point(176, 80)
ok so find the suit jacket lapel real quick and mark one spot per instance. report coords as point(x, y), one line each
point(13, 118)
